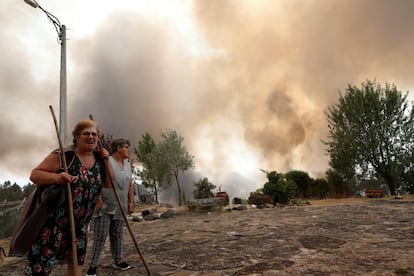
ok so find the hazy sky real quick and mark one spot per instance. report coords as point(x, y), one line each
point(245, 82)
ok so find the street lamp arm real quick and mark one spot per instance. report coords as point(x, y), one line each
point(55, 21)
point(51, 17)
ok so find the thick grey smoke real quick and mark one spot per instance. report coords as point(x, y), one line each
point(251, 96)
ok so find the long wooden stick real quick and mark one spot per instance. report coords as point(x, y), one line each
point(122, 210)
point(70, 201)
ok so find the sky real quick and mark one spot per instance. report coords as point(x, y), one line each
point(245, 82)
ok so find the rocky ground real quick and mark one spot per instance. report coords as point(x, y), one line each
point(341, 237)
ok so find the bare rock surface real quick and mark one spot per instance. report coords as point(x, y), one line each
point(363, 237)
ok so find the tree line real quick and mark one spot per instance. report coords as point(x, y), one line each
point(13, 192)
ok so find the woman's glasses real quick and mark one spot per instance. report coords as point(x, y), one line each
point(87, 134)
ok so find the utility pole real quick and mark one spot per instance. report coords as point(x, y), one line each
point(63, 120)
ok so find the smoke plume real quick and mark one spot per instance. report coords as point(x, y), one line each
point(247, 88)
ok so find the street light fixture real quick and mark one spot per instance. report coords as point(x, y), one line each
point(61, 31)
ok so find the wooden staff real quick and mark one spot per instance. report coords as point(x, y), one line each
point(70, 201)
point(122, 210)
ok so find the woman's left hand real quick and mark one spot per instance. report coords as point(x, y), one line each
point(103, 153)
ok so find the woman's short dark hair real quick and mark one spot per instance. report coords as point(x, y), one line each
point(120, 142)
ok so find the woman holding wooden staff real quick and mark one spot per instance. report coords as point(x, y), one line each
point(108, 219)
point(86, 175)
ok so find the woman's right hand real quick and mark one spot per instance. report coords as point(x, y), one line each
point(64, 178)
point(48, 172)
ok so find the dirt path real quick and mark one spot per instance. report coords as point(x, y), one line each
point(364, 237)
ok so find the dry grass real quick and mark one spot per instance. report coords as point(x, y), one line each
point(355, 200)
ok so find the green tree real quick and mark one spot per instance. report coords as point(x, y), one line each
point(154, 171)
point(10, 192)
point(279, 187)
point(371, 132)
point(321, 188)
point(176, 157)
point(337, 183)
point(10, 215)
point(302, 180)
point(203, 188)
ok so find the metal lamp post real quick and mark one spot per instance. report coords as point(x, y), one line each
point(61, 31)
